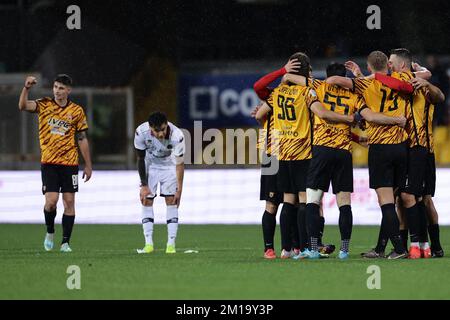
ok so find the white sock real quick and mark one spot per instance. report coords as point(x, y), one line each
point(172, 224)
point(147, 224)
point(50, 236)
point(414, 244)
point(424, 245)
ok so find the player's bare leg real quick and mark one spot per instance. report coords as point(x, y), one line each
point(147, 225)
point(68, 220)
point(172, 224)
point(343, 200)
point(51, 200)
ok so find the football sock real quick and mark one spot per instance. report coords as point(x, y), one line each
point(147, 224)
point(404, 236)
point(382, 238)
point(413, 218)
point(423, 236)
point(172, 224)
point(285, 228)
point(294, 228)
point(433, 230)
point(321, 228)
point(268, 226)
point(67, 226)
point(313, 224)
point(345, 226)
point(392, 226)
point(301, 224)
point(50, 220)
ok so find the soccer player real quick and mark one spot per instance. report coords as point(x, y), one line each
point(387, 143)
point(332, 158)
point(269, 191)
point(60, 122)
point(292, 106)
point(160, 150)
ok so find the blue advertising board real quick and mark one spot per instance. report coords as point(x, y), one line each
point(219, 101)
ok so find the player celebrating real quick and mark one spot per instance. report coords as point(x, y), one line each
point(387, 143)
point(160, 149)
point(291, 106)
point(60, 120)
point(269, 190)
point(332, 158)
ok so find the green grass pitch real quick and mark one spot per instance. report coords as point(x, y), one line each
point(229, 265)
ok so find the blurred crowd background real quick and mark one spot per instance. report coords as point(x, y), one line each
point(194, 60)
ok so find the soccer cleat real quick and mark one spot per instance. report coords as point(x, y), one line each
point(148, 248)
point(295, 252)
point(394, 255)
point(327, 249)
point(65, 248)
point(301, 255)
point(269, 254)
point(312, 254)
point(437, 253)
point(414, 252)
point(170, 248)
point(372, 254)
point(285, 254)
point(48, 242)
point(425, 253)
point(343, 255)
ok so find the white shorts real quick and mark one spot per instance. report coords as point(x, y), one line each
point(167, 180)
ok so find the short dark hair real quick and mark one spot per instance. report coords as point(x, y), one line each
point(336, 69)
point(403, 54)
point(305, 63)
point(377, 60)
point(64, 79)
point(157, 119)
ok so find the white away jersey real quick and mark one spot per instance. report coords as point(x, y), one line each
point(160, 154)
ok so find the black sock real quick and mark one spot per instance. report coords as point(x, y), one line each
point(313, 224)
point(404, 236)
point(433, 230)
point(50, 220)
point(413, 218)
point(295, 236)
point(345, 222)
point(321, 228)
point(67, 225)
point(285, 227)
point(382, 237)
point(301, 224)
point(423, 236)
point(268, 225)
point(392, 226)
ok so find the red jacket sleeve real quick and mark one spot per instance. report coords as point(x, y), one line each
point(394, 84)
point(261, 86)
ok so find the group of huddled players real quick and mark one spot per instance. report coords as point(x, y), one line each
point(308, 131)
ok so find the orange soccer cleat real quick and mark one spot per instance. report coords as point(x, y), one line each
point(414, 252)
point(269, 254)
point(425, 253)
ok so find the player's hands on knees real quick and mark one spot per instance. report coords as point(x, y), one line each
point(292, 66)
point(87, 173)
point(30, 81)
point(144, 193)
point(177, 198)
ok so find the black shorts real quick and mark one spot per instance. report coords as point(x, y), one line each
point(430, 176)
point(417, 166)
point(330, 164)
point(269, 187)
point(59, 178)
point(388, 165)
point(292, 176)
